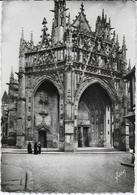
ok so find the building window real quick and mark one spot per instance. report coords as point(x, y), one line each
point(29, 109)
point(108, 121)
point(29, 99)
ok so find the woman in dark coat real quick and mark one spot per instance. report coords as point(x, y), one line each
point(35, 148)
point(29, 148)
point(39, 147)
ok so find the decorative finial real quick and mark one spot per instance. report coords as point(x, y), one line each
point(52, 29)
point(44, 25)
point(45, 36)
point(109, 21)
point(98, 18)
point(22, 33)
point(12, 70)
point(44, 21)
point(123, 39)
point(106, 17)
point(82, 7)
point(31, 37)
point(102, 13)
point(117, 41)
point(11, 75)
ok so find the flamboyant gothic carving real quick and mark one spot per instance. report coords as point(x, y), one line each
point(70, 92)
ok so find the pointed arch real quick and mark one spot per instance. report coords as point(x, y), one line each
point(88, 82)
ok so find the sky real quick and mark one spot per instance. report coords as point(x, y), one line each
point(30, 14)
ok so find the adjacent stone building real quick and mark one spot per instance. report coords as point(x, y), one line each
point(130, 114)
point(71, 91)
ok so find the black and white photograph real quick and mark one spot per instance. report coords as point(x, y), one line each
point(68, 96)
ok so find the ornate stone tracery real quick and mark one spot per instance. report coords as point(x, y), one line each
point(73, 61)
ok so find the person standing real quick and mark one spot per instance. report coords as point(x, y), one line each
point(29, 148)
point(35, 148)
point(39, 148)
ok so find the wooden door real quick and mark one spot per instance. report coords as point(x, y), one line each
point(86, 136)
point(79, 137)
point(43, 139)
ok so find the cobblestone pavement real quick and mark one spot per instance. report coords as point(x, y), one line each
point(71, 172)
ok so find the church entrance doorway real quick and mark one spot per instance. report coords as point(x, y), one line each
point(83, 136)
point(86, 136)
point(94, 118)
point(46, 114)
point(79, 137)
point(43, 139)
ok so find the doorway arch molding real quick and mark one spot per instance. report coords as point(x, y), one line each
point(43, 127)
point(91, 81)
point(53, 80)
point(111, 93)
point(50, 78)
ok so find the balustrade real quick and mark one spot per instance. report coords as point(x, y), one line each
point(77, 66)
point(44, 68)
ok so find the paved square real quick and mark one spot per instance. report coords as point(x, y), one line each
point(73, 172)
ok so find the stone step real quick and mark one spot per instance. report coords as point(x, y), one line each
point(98, 149)
point(56, 150)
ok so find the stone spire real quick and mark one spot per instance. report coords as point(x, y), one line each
point(114, 37)
point(31, 40)
point(11, 76)
point(69, 40)
point(102, 14)
point(59, 20)
point(82, 7)
point(98, 23)
point(45, 36)
point(21, 48)
point(60, 15)
point(22, 34)
point(124, 42)
point(31, 37)
point(52, 32)
point(124, 49)
point(109, 22)
point(117, 41)
point(11, 85)
point(105, 17)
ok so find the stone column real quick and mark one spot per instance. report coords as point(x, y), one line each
point(108, 129)
point(20, 138)
point(69, 115)
point(104, 130)
point(127, 137)
point(112, 126)
point(61, 124)
point(82, 138)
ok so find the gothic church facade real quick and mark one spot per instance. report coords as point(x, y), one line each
point(70, 91)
